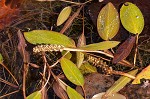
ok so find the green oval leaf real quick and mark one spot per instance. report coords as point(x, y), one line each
point(120, 83)
point(63, 16)
point(108, 22)
point(1, 58)
point(35, 95)
point(48, 37)
point(72, 72)
point(131, 18)
point(73, 94)
point(100, 46)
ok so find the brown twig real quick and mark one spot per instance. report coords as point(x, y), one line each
point(8, 83)
point(9, 73)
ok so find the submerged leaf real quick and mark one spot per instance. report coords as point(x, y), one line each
point(124, 49)
point(72, 72)
point(108, 22)
point(131, 18)
point(63, 16)
point(73, 94)
point(35, 95)
point(48, 37)
point(120, 83)
point(144, 74)
point(100, 46)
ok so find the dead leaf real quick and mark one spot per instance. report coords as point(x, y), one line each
point(7, 14)
point(60, 92)
point(124, 49)
point(21, 48)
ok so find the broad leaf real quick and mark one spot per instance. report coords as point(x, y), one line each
point(120, 83)
point(108, 22)
point(73, 94)
point(35, 95)
point(48, 37)
point(131, 18)
point(1, 58)
point(101, 46)
point(80, 55)
point(124, 49)
point(87, 68)
point(63, 16)
point(72, 72)
point(145, 73)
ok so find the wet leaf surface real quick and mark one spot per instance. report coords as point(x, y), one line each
point(72, 72)
point(48, 37)
point(132, 18)
point(124, 49)
point(108, 22)
point(123, 34)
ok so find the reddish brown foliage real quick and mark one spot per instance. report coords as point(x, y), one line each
point(124, 49)
point(7, 14)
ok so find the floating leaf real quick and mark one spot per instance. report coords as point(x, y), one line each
point(100, 46)
point(73, 94)
point(113, 96)
point(120, 83)
point(63, 16)
point(124, 49)
point(87, 68)
point(108, 22)
point(48, 37)
point(1, 58)
point(80, 55)
point(131, 18)
point(72, 72)
point(35, 95)
point(145, 73)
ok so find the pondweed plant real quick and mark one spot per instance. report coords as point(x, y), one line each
point(108, 23)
